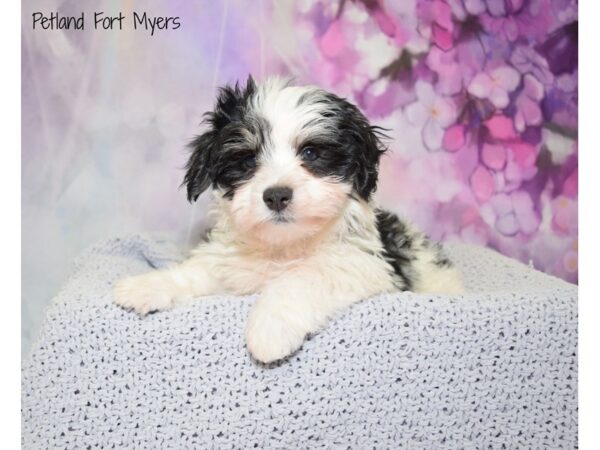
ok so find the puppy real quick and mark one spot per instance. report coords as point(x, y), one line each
point(293, 170)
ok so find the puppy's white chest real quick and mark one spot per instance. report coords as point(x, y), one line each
point(243, 273)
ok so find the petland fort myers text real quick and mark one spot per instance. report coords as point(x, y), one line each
point(103, 21)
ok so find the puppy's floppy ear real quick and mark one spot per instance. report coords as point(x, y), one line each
point(366, 140)
point(229, 107)
point(367, 161)
point(198, 175)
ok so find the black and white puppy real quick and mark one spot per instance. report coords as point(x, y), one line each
point(293, 169)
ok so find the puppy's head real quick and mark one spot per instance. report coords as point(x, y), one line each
point(283, 159)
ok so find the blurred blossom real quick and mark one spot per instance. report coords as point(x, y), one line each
point(527, 60)
point(436, 23)
point(527, 103)
point(564, 215)
point(431, 112)
point(464, 8)
point(501, 127)
point(513, 213)
point(333, 42)
point(450, 73)
point(560, 108)
point(513, 19)
point(482, 183)
point(454, 138)
point(498, 8)
point(493, 156)
point(495, 85)
point(571, 185)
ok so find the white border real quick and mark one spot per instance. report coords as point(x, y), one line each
point(10, 242)
point(589, 206)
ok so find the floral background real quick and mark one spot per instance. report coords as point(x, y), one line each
point(479, 97)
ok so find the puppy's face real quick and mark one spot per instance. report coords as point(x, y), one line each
point(283, 159)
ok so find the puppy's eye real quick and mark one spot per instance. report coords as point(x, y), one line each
point(249, 162)
point(309, 154)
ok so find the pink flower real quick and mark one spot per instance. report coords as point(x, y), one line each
point(450, 73)
point(524, 154)
point(507, 26)
point(454, 138)
point(524, 210)
point(482, 184)
point(503, 7)
point(493, 156)
point(333, 41)
point(501, 127)
point(512, 213)
point(463, 8)
point(495, 85)
point(564, 211)
point(570, 186)
point(383, 20)
point(436, 18)
point(431, 112)
point(514, 173)
point(515, 18)
point(527, 103)
point(405, 21)
point(570, 261)
point(509, 164)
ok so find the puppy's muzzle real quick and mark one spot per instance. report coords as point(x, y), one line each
point(277, 198)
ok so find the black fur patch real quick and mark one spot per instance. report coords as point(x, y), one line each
point(401, 246)
point(398, 246)
point(441, 260)
point(220, 157)
point(350, 149)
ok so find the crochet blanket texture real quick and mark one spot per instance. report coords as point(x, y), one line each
point(493, 368)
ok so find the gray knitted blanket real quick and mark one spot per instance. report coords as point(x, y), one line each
point(494, 368)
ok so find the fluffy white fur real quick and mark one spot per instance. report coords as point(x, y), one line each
point(325, 256)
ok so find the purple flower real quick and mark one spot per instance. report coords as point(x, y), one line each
point(495, 85)
point(432, 112)
point(526, 60)
point(560, 107)
point(512, 213)
point(464, 8)
point(436, 23)
point(454, 138)
point(532, 19)
point(564, 215)
point(527, 103)
point(482, 183)
point(450, 73)
point(498, 8)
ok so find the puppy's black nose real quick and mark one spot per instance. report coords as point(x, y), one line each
point(277, 198)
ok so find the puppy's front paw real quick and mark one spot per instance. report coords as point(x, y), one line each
point(270, 336)
point(145, 293)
